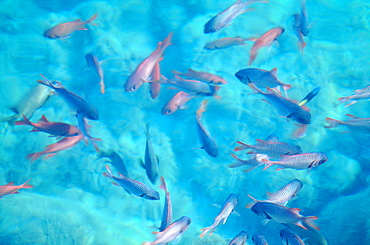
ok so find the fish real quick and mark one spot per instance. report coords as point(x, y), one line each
point(151, 159)
point(194, 87)
point(53, 128)
point(226, 17)
point(259, 240)
point(115, 160)
point(271, 147)
point(176, 102)
point(255, 162)
point(65, 30)
point(261, 78)
point(300, 26)
point(289, 238)
point(355, 125)
point(287, 108)
point(299, 161)
point(226, 42)
point(53, 149)
point(82, 125)
point(202, 76)
point(263, 41)
point(284, 215)
point(227, 208)
point(10, 188)
point(359, 94)
point(206, 140)
point(167, 208)
point(27, 106)
point(309, 96)
point(282, 196)
point(155, 85)
point(94, 63)
point(132, 186)
point(240, 239)
point(143, 71)
point(172, 233)
point(73, 100)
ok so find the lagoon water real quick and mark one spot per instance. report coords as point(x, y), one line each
point(73, 203)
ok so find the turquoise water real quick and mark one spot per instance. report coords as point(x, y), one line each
point(73, 203)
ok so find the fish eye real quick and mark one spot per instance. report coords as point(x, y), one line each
point(213, 29)
point(133, 88)
point(168, 111)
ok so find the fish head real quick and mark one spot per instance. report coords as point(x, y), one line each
point(185, 222)
point(210, 26)
point(301, 116)
point(322, 159)
point(242, 75)
point(150, 195)
point(57, 84)
point(169, 109)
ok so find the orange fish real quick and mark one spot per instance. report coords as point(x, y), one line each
point(65, 30)
point(155, 86)
point(53, 149)
point(10, 188)
point(53, 128)
point(264, 41)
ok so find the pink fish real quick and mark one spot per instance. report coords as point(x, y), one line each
point(10, 188)
point(142, 72)
point(155, 76)
point(264, 41)
point(177, 102)
point(53, 128)
point(202, 76)
point(225, 43)
point(53, 149)
point(65, 30)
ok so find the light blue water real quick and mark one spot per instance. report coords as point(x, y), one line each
point(73, 203)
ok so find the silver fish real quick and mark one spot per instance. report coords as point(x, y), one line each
point(225, 43)
point(115, 160)
point(284, 215)
point(259, 240)
point(73, 100)
point(255, 162)
point(202, 76)
point(206, 140)
point(32, 101)
point(94, 63)
point(289, 238)
point(167, 208)
point(151, 159)
point(225, 212)
point(194, 87)
point(240, 239)
point(355, 125)
point(132, 186)
point(299, 161)
point(359, 94)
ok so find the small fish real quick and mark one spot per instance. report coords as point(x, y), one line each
point(194, 87)
point(155, 77)
point(287, 108)
point(355, 125)
point(65, 30)
point(309, 96)
point(172, 233)
point(273, 148)
point(206, 140)
point(32, 101)
point(289, 238)
point(82, 125)
point(93, 62)
point(261, 78)
point(73, 100)
point(143, 71)
point(151, 159)
point(300, 25)
point(10, 188)
point(224, 43)
point(255, 162)
point(115, 160)
point(132, 186)
point(299, 161)
point(53, 128)
point(283, 195)
point(202, 76)
point(53, 149)
point(167, 208)
point(263, 41)
point(177, 102)
point(240, 239)
point(359, 94)
point(284, 215)
point(259, 240)
point(224, 213)
point(226, 17)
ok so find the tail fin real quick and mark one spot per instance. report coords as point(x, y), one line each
point(25, 121)
point(242, 146)
point(309, 221)
point(205, 230)
point(163, 185)
point(202, 108)
point(25, 185)
point(109, 174)
point(249, 205)
point(91, 20)
point(239, 163)
point(268, 163)
point(332, 122)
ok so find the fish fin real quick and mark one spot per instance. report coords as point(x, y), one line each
point(351, 103)
point(14, 109)
point(300, 132)
point(43, 119)
point(50, 155)
point(352, 116)
point(242, 146)
point(25, 121)
point(273, 138)
point(299, 223)
point(202, 108)
point(332, 122)
point(268, 164)
point(142, 163)
point(10, 184)
point(249, 205)
point(177, 239)
point(309, 221)
point(265, 221)
point(25, 184)
point(163, 185)
point(295, 210)
point(82, 28)
point(250, 169)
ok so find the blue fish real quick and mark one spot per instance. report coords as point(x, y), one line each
point(94, 63)
point(132, 186)
point(300, 25)
point(151, 159)
point(289, 238)
point(115, 160)
point(82, 125)
point(73, 100)
point(309, 96)
point(259, 240)
point(240, 239)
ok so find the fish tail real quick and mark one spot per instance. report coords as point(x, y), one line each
point(344, 99)
point(205, 230)
point(163, 185)
point(45, 82)
point(300, 131)
point(25, 185)
point(302, 45)
point(91, 19)
point(34, 156)
point(242, 146)
point(109, 174)
point(102, 86)
point(268, 163)
point(25, 121)
point(239, 163)
point(332, 122)
point(249, 205)
point(202, 108)
point(309, 221)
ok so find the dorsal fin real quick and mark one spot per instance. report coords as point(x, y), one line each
point(43, 119)
point(352, 116)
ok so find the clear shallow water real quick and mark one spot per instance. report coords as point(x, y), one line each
point(72, 203)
